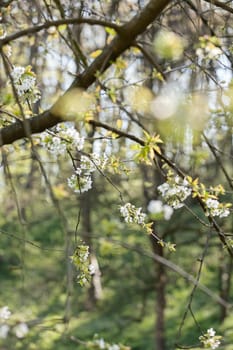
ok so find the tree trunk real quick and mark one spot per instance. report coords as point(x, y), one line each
point(160, 286)
point(160, 273)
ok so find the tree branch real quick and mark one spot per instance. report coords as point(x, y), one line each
point(220, 4)
point(119, 44)
point(172, 266)
point(162, 156)
point(57, 23)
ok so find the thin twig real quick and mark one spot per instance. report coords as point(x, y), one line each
point(57, 23)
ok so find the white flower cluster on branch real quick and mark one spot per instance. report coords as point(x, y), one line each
point(216, 209)
point(81, 180)
point(79, 184)
point(209, 48)
point(132, 214)
point(80, 259)
point(64, 138)
point(210, 340)
point(25, 84)
point(175, 191)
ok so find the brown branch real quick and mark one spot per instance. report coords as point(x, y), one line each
point(26, 241)
point(57, 23)
point(188, 307)
point(173, 166)
point(172, 266)
point(150, 58)
point(220, 4)
point(119, 44)
point(219, 161)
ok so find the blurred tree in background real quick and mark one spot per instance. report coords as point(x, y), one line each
point(116, 174)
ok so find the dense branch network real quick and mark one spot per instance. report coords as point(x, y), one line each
point(125, 37)
point(127, 34)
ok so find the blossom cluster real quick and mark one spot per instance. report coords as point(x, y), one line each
point(79, 184)
point(210, 340)
point(25, 84)
point(208, 47)
point(64, 138)
point(215, 208)
point(158, 209)
point(20, 329)
point(132, 214)
point(81, 180)
point(80, 259)
point(175, 191)
point(100, 343)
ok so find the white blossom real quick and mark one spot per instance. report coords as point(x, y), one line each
point(140, 217)
point(25, 83)
point(114, 347)
point(209, 48)
point(100, 343)
point(4, 313)
point(71, 136)
point(212, 203)
point(99, 162)
point(167, 212)
point(21, 330)
point(210, 340)
point(213, 52)
point(81, 254)
point(81, 181)
point(17, 72)
point(53, 144)
point(87, 165)
point(4, 330)
point(157, 207)
point(175, 192)
point(91, 269)
point(216, 209)
point(132, 214)
point(211, 332)
point(79, 184)
point(80, 259)
point(163, 189)
point(82, 279)
point(65, 137)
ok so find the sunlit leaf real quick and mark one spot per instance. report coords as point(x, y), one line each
point(95, 53)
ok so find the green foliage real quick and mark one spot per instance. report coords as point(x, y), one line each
point(145, 153)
